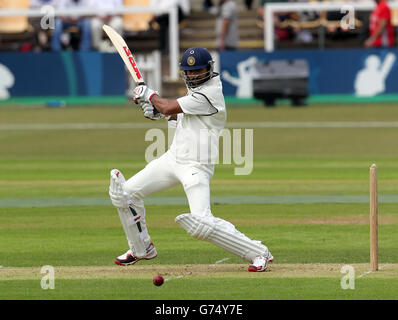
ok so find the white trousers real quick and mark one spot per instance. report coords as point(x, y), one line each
point(164, 173)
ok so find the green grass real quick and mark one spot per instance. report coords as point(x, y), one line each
point(86, 235)
point(225, 288)
point(43, 164)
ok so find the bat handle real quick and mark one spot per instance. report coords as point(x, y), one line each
point(142, 83)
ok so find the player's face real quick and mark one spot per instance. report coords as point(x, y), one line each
point(196, 76)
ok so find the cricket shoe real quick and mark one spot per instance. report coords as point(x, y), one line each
point(260, 263)
point(129, 258)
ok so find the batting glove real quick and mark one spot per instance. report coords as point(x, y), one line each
point(143, 93)
point(150, 111)
point(119, 200)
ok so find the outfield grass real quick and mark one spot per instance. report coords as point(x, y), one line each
point(309, 189)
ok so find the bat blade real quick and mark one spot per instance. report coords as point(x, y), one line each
point(125, 53)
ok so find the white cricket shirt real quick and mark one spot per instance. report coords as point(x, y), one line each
point(199, 126)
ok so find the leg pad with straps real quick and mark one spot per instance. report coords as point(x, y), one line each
point(129, 218)
point(221, 233)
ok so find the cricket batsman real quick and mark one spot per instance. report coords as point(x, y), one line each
point(199, 117)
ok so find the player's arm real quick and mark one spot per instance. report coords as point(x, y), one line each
point(224, 30)
point(166, 106)
point(149, 97)
point(384, 17)
point(226, 15)
point(382, 25)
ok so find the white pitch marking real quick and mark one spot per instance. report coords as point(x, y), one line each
point(368, 272)
point(222, 260)
point(178, 277)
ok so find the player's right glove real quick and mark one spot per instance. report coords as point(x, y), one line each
point(143, 93)
point(150, 111)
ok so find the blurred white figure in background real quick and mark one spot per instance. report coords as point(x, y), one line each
point(244, 81)
point(115, 21)
point(227, 28)
point(7, 80)
point(371, 80)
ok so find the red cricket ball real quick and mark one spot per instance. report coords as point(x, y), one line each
point(158, 280)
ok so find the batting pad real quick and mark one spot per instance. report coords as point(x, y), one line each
point(130, 219)
point(221, 233)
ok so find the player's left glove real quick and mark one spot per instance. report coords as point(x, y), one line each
point(118, 197)
point(143, 93)
point(150, 111)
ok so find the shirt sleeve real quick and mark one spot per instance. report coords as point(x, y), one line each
point(197, 104)
point(384, 12)
point(227, 11)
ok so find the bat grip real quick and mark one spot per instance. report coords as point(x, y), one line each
point(142, 83)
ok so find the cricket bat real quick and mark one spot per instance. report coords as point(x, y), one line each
point(125, 53)
point(127, 56)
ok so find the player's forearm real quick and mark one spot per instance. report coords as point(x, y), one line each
point(224, 29)
point(166, 106)
point(380, 28)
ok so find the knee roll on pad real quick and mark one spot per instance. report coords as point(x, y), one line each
point(197, 226)
point(221, 233)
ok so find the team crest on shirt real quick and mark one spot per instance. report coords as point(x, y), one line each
point(191, 61)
